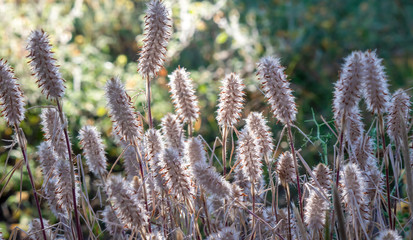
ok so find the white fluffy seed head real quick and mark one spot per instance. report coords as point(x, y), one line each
point(231, 100)
point(112, 223)
point(323, 175)
point(315, 211)
point(389, 234)
point(374, 180)
point(207, 177)
point(93, 149)
point(35, 230)
point(158, 30)
point(248, 153)
point(154, 145)
point(47, 158)
point(44, 65)
point(347, 89)
point(399, 115)
point(129, 210)
point(11, 96)
point(183, 95)
point(122, 112)
point(63, 190)
point(50, 188)
point(285, 168)
point(177, 175)
point(277, 89)
point(194, 151)
point(173, 133)
point(375, 86)
point(354, 127)
point(353, 185)
point(53, 131)
point(226, 233)
point(258, 128)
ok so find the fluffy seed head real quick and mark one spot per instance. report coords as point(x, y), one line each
point(47, 158)
point(158, 29)
point(399, 110)
point(248, 153)
point(353, 185)
point(389, 235)
point(11, 96)
point(122, 113)
point(112, 223)
point(50, 188)
point(183, 95)
point(129, 210)
point(347, 89)
point(231, 100)
point(257, 127)
point(211, 181)
point(375, 86)
point(374, 180)
point(285, 168)
point(35, 230)
point(194, 151)
point(355, 127)
point(64, 188)
point(323, 175)
point(44, 65)
point(227, 233)
point(93, 149)
point(277, 89)
point(173, 132)
point(154, 146)
point(177, 175)
point(315, 211)
point(53, 131)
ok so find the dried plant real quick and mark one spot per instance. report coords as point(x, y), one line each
point(389, 235)
point(173, 132)
point(35, 230)
point(44, 65)
point(93, 149)
point(285, 168)
point(257, 127)
point(399, 111)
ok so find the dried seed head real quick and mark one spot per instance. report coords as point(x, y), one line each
point(93, 149)
point(353, 185)
point(211, 181)
point(257, 127)
point(231, 100)
point(285, 168)
point(177, 175)
point(154, 146)
point(315, 211)
point(44, 65)
point(112, 223)
point(277, 89)
point(374, 180)
point(47, 158)
point(53, 131)
point(227, 233)
point(129, 210)
point(375, 86)
point(158, 30)
point(173, 132)
point(347, 89)
point(183, 95)
point(194, 151)
point(355, 127)
point(323, 175)
point(248, 153)
point(11, 96)
point(389, 235)
point(50, 188)
point(363, 151)
point(122, 112)
point(399, 110)
point(63, 189)
point(35, 230)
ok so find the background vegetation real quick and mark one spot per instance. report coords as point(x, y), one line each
point(97, 39)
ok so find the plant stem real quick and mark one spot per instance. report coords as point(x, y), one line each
point(290, 136)
point(148, 101)
point(224, 149)
point(386, 162)
point(23, 149)
point(72, 171)
point(407, 165)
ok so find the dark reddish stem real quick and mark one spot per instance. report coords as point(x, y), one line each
point(23, 149)
point(72, 171)
point(148, 101)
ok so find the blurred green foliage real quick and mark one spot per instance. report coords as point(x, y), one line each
point(97, 39)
